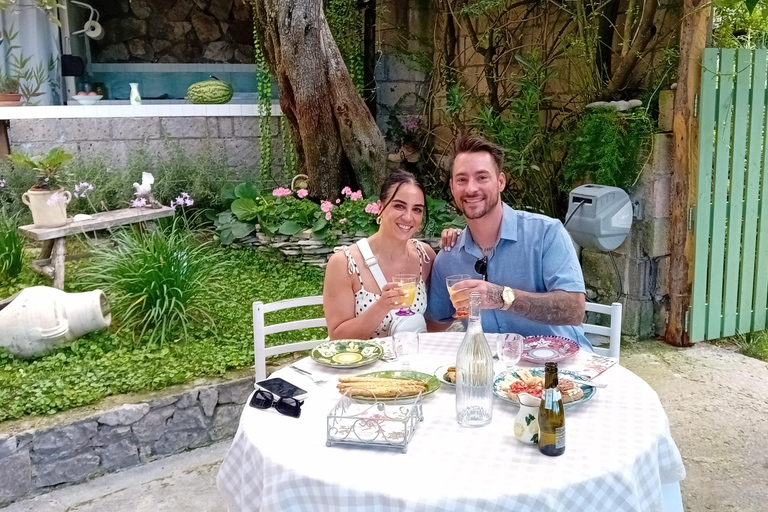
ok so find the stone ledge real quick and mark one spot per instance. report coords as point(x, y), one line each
point(37, 454)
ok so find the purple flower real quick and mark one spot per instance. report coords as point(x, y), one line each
point(182, 200)
point(82, 188)
point(2, 183)
point(140, 202)
point(56, 198)
point(302, 193)
point(411, 123)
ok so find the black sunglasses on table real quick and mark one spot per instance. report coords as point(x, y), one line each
point(263, 399)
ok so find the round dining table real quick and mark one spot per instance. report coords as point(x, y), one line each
point(619, 452)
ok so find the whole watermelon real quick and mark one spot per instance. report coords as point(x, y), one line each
point(210, 92)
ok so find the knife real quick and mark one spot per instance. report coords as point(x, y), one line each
point(586, 382)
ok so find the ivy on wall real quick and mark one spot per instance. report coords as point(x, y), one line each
point(346, 23)
point(264, 90)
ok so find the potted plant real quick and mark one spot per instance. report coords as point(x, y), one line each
point(46, 199)
point(9, 91)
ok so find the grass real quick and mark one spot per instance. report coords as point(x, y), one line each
point(108, 363)
point(753, 344)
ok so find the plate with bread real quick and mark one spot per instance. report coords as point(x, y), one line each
point(388, 386)
point(507, 385)
point(446, 374)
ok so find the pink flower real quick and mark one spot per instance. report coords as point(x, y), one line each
point(338, 201)
point(372, 208)
point(326, 206)
point(281, 191)
point(139, 202)
point(302, 193)
point(342, 221)
point(328, 216)
point(356, 195)
point(346, 191)
point(411, 123)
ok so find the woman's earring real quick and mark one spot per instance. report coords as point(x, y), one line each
point(378, 220)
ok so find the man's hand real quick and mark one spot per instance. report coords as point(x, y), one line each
point(490, 294)
point(556, 307)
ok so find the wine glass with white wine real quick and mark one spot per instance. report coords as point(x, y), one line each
point(407, 284)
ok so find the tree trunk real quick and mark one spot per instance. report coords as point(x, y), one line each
point(693, 38)
point(338, 142)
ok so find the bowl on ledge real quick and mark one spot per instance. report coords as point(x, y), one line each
point(86, 99)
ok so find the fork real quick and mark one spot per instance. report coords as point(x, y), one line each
point(318, 382)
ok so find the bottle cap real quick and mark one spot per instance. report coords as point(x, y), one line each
point(550, 367)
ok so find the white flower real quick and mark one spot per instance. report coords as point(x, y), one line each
point(2, 183)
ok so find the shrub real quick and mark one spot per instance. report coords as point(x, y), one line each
point(157, 281)
point(607, 146)
point(11, 247)
point(48, 169)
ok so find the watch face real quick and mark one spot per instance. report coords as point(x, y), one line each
point(508, 295)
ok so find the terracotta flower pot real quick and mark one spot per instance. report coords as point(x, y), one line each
point(8, 99)
point(48, 207)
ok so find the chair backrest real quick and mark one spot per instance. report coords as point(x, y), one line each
point(260, 331)
point(613, 333)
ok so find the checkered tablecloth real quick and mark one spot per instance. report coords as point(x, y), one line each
point(619, 452)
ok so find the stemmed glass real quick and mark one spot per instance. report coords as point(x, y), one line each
point(451, 282)
point(509, 348)
point(407, 284)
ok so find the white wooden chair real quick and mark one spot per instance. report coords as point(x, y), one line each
point(260, 331)
point(613, 333)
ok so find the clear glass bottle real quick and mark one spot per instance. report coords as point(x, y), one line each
point(474, 372)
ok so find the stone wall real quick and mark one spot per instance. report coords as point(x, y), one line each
point(114, 139)
point(35, 460)
point(187, 31)
point(643, 258)
point(304, 247)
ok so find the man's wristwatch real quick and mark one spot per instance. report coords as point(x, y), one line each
point(508, 295)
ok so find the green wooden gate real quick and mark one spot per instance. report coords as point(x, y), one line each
point(730, 280)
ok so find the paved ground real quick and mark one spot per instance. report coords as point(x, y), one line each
point(716, 401)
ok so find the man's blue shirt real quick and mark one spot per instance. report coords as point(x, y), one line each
point(534, 254)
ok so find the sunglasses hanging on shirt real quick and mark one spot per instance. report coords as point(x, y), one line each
point(481, 267)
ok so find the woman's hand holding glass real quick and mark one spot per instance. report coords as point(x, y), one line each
point(392, 297)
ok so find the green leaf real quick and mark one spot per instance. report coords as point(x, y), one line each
point(529, 419)
point(535, 438)
point(289, 228)
point(241, 229)
point(320, 224)
point(226, 218)
point(751, 4)
point(211, 215)
point(247, 190)
point(228, 193)
point(245, 209)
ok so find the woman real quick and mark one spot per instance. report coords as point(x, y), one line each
point(355, 306)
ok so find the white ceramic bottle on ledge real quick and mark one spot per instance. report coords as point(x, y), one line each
point(135, 96)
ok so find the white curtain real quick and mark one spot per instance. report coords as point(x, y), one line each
point(30, 50)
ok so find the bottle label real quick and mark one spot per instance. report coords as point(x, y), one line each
point(560, 437)
point(551, 396)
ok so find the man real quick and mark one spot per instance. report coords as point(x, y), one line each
point(524, 265)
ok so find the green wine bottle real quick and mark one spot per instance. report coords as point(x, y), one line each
point(551, 415)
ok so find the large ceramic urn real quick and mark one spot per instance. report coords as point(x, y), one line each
point(48, 207)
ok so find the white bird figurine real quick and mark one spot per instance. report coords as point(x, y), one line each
point(144, 191)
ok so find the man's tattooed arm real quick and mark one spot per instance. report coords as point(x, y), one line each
point(556, 307)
